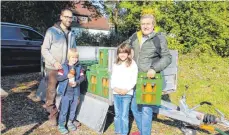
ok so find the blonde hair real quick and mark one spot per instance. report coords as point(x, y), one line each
point(72, 52)
point(124, 48)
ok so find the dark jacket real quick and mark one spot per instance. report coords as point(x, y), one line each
point(147, 56)
point(63, 79)
point(55, 45)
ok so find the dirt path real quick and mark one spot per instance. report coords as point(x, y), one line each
point(23, 116)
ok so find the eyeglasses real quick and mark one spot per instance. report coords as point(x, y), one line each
point(68, 17)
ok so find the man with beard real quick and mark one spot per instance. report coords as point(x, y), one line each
point(58, 39)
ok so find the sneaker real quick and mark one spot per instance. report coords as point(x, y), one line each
point(135, 133)
point(62, 129)
point(77, 123)
point(71, 126)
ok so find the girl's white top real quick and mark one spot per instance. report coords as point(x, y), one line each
point(124, 77)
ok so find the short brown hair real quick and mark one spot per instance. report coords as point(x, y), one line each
point(124, 48)
point(72, 52)
point(65, 9)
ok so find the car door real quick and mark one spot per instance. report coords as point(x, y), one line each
point(12, 47)
point(32, 50)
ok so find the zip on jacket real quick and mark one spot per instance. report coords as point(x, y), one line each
point(63, 79)
point(55, 46)
point(147, 56)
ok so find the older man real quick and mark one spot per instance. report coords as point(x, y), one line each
point(151, 57)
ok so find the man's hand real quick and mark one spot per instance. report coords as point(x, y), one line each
point(57, 65)
point(151, 73)
point(132, 53)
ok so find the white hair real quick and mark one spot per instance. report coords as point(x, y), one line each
point(149, 16)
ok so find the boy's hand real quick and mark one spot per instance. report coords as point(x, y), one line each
point(70, 76)
point(73, 84)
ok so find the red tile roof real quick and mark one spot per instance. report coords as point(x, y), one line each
point(80, 10)
point(100, 23)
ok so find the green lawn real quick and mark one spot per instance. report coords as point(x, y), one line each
point(208, 79)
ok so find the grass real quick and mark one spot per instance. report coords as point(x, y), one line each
point(207, 76)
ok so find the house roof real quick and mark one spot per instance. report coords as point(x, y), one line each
point(99, 23)
point(80, 10)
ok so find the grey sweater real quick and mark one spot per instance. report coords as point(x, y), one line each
point(55, 46)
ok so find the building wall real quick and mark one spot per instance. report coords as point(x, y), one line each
point(92, 31)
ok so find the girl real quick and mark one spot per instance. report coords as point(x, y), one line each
point(123, 80)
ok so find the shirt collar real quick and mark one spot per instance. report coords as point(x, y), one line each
point(148, 36)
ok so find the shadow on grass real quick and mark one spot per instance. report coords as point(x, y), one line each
point(20, 82)
point(18, 110)
point(33, 128)
point(178, 124)
point(111, 115)
point(20, 71)
point(110, 118)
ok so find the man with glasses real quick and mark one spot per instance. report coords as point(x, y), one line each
point(58, 39)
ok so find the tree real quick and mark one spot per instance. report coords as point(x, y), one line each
point(38, 14)
point(187, 24)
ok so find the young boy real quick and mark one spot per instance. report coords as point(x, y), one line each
point(69, 77)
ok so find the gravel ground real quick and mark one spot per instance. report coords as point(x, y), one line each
point(22, 115)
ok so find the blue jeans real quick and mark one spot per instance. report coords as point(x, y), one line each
point(121, 119)
point(143, 115)
point(66, 103)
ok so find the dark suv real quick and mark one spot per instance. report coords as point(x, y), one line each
point(20, 46)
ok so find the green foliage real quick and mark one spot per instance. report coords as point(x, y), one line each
point(100, 39)
point(112, 39)
point(188, 24)
point(175, 45)
point(38, 14)
point(87, 39)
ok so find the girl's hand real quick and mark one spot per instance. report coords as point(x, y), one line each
point(117, 90)
point(124, 92)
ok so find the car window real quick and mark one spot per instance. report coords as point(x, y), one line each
point(31, 35)
point(9, 32)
